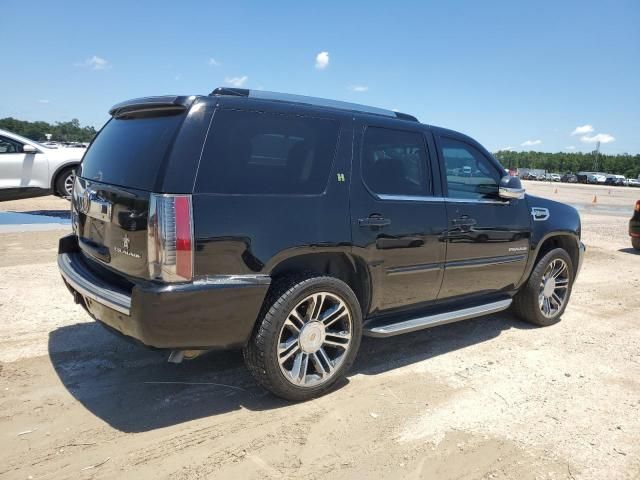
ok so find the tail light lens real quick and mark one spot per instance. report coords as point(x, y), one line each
point(170, 238)
point(638, 206)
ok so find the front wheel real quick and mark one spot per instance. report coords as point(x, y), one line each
point(543, 299)
point(64, 183)
point(307, 337)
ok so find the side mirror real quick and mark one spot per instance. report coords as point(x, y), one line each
point(26, 148)
point(510, 188)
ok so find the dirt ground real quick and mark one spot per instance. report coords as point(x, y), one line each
point(486, 398)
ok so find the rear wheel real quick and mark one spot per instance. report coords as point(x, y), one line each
point(635, 242)
point(307, 337)
point(544, 297)
point(64, 182)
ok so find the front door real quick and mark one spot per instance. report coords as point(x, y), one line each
point(20, 170)
point(487, 237)
point(398, 214)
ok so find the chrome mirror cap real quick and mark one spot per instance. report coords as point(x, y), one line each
point(511, 188)
point(511, 193)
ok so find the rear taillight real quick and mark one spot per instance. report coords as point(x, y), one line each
point(638, 206)
point(170, 238)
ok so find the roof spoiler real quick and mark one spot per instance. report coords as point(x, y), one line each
point(140, 106)
point(303, 99)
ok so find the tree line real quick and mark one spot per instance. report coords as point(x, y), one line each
point(625, 164)
point(60, 131)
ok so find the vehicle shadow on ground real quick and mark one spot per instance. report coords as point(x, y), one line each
point(630, 250)
point(64, 214)
point(134, 389)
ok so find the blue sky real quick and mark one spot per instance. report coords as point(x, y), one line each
point(504, 72)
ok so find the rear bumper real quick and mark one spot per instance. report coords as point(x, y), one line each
point(214, 312)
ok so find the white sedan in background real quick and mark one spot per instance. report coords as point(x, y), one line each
point(29, 169)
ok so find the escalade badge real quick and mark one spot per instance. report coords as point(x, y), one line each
point(124, 250)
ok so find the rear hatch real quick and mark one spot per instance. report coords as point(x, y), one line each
point(128, 161)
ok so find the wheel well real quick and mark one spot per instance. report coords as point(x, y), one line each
point(349, 269)
point(566, 242)
point(60, 171)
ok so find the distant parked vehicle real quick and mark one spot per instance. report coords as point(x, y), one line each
point(30, 169)
point(596, 178)
point(569, 178)
point(632, 182)
point(553, 177)
point(616, 180)
point(634, 226)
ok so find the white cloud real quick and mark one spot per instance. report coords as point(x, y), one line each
point(505, 149)
point(212, 62)
point(178, 76)
point(531, 143)
point(358, 88)
point(600, 137)
point(236, 81)
point(95, 63)
point(322, 60)
point(582, 130)
point(44, 100)
point(570, 147)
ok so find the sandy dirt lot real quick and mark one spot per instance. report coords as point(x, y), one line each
point(486, 398)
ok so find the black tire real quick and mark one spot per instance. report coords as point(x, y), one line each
point(61, 182)
point(261, 352)
point(526, 304)
point(635, 242)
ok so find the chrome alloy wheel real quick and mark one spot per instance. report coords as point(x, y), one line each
point(68, 184)
point(553, 288)
point(314, 339)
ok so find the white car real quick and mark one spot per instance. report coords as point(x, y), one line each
point(29, 169)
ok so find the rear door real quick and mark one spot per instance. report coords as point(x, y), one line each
point(398, 213)
point(487, 237)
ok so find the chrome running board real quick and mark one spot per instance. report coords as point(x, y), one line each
point(413, 324)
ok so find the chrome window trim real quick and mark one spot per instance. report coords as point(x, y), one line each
point(420, 198)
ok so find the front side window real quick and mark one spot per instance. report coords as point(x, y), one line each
point(9, 146)
point(267, 153)
point(394, 162)
point(470, 175)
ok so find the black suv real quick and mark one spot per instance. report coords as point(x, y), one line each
point(290, 226)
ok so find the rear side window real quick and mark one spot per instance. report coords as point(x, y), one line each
point(394, 162)
point(130, 152)
point(267, 153)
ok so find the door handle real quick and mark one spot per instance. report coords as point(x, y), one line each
point(374, 221)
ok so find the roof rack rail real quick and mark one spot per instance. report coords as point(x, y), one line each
point(303, 99)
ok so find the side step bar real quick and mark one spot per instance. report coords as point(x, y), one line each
point(413, 324)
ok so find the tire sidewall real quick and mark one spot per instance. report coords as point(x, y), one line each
point(278, 314)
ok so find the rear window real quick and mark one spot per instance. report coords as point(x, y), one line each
point(130, 152)
point(267, 153)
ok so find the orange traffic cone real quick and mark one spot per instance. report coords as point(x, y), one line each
point(555, 191)
point(595, 199)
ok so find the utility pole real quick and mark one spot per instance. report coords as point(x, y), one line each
point(596, 155)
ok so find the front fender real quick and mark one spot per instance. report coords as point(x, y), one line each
point(562, 221)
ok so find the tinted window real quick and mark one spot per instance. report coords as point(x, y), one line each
point(267, 153)
point(130, 151)
point(395, 162)
point(469, 173)
point(9, 146)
